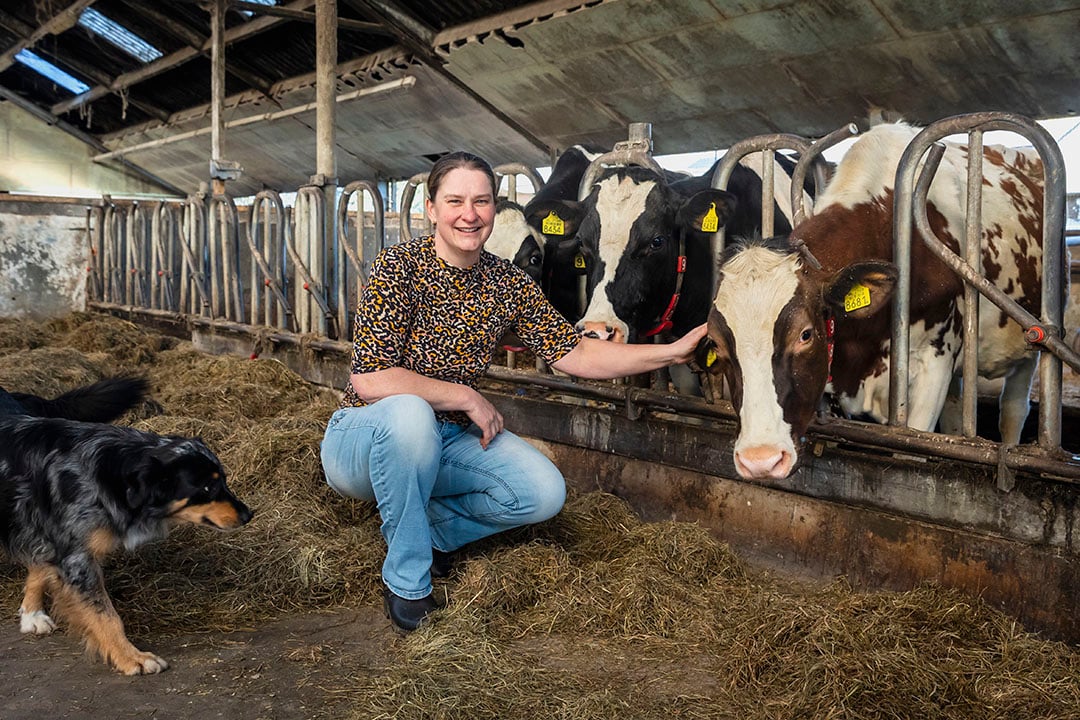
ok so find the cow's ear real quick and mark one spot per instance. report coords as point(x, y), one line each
point(706, 211)
point(860, 289)
point(556, 219)
point(705, 357)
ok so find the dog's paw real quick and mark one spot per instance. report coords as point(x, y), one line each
point(140, 663)
point(36, 622)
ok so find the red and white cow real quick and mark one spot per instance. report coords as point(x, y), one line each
point(768, 322)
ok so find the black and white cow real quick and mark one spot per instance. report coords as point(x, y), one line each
point(646, 244)
point(562, 260)
point(517, 241)
point(768, 324)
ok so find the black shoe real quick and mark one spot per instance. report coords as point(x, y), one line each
point(406, 615)
point(442, 563)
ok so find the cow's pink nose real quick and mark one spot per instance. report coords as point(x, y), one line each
point(601, 331)
point(763, 461)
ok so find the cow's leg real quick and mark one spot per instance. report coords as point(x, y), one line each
point(951, 421)
point(929, 380)
point(82, 599)
point(1014, 403)
point(32, 616)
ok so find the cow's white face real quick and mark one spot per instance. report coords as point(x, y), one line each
point(767, 338)
point(620, 202)
point(514, 239)
point(634, 227)
point(754, 300)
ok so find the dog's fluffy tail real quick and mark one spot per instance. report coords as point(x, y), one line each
point(103, 401)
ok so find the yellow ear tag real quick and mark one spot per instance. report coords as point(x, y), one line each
point(579, 261)
point(710, 223)
point(553, 225)
point(857, 297)
point(710, 358)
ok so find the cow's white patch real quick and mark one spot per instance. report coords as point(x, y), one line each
point(868, 169)
point(508, 232)
point(618, 205)
point(757, 285)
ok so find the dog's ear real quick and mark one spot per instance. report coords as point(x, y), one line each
point(141, 482)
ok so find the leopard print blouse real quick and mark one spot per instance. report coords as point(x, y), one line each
point(444, 322)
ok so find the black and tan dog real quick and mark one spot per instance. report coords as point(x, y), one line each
point(71, 492)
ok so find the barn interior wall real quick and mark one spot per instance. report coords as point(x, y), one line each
point(42, 259)
point(38, 158)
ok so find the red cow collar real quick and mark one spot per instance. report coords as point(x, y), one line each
point(664, 323)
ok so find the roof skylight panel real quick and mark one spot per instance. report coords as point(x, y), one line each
point(46, 68)
point(118, 35)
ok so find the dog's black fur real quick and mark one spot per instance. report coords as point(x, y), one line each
point(103, 401)
point(71, 492)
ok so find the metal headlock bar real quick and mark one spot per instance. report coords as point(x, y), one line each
point(636, 150)
point(310, 265)
point(808, 161)
point(183, 246)
point(910, 208)
point(193, 247)
point(164, 233)
point(266, 242)
point(405, 207)
point(353, 261)
point(226, 286)
point(767, 145)
point(511, 171)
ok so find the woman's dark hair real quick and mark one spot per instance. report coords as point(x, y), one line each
point(452, 161)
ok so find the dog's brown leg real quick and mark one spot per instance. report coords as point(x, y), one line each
point(32, 615)
point(85, 604)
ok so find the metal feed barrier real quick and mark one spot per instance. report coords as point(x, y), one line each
point(184, 260)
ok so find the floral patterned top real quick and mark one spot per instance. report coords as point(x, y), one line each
point(419, 313)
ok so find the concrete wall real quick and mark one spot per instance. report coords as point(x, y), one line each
point(43, 258)
point(38, 158)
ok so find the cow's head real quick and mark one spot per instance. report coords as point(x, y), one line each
point(513, 238)
point(768, 339)
point(628, 236)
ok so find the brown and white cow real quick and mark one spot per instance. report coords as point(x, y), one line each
point(769, 317)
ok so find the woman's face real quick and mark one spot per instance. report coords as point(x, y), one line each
point(463, 212)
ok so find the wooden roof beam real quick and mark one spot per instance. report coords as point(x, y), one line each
point(168, 62)
point(63, 20)
point(403, 25)
point(420, 39)
point(86, 70)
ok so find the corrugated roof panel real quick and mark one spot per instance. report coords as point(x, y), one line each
point(441, 14)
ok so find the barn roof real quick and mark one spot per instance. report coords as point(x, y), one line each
point(516, 81)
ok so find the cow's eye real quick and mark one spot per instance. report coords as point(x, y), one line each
point(534, 260)
point(807, 335)
point(657, 242)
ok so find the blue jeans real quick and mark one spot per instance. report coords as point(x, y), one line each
point(434, 485)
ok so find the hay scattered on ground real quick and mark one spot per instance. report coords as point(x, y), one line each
point(591, 615)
